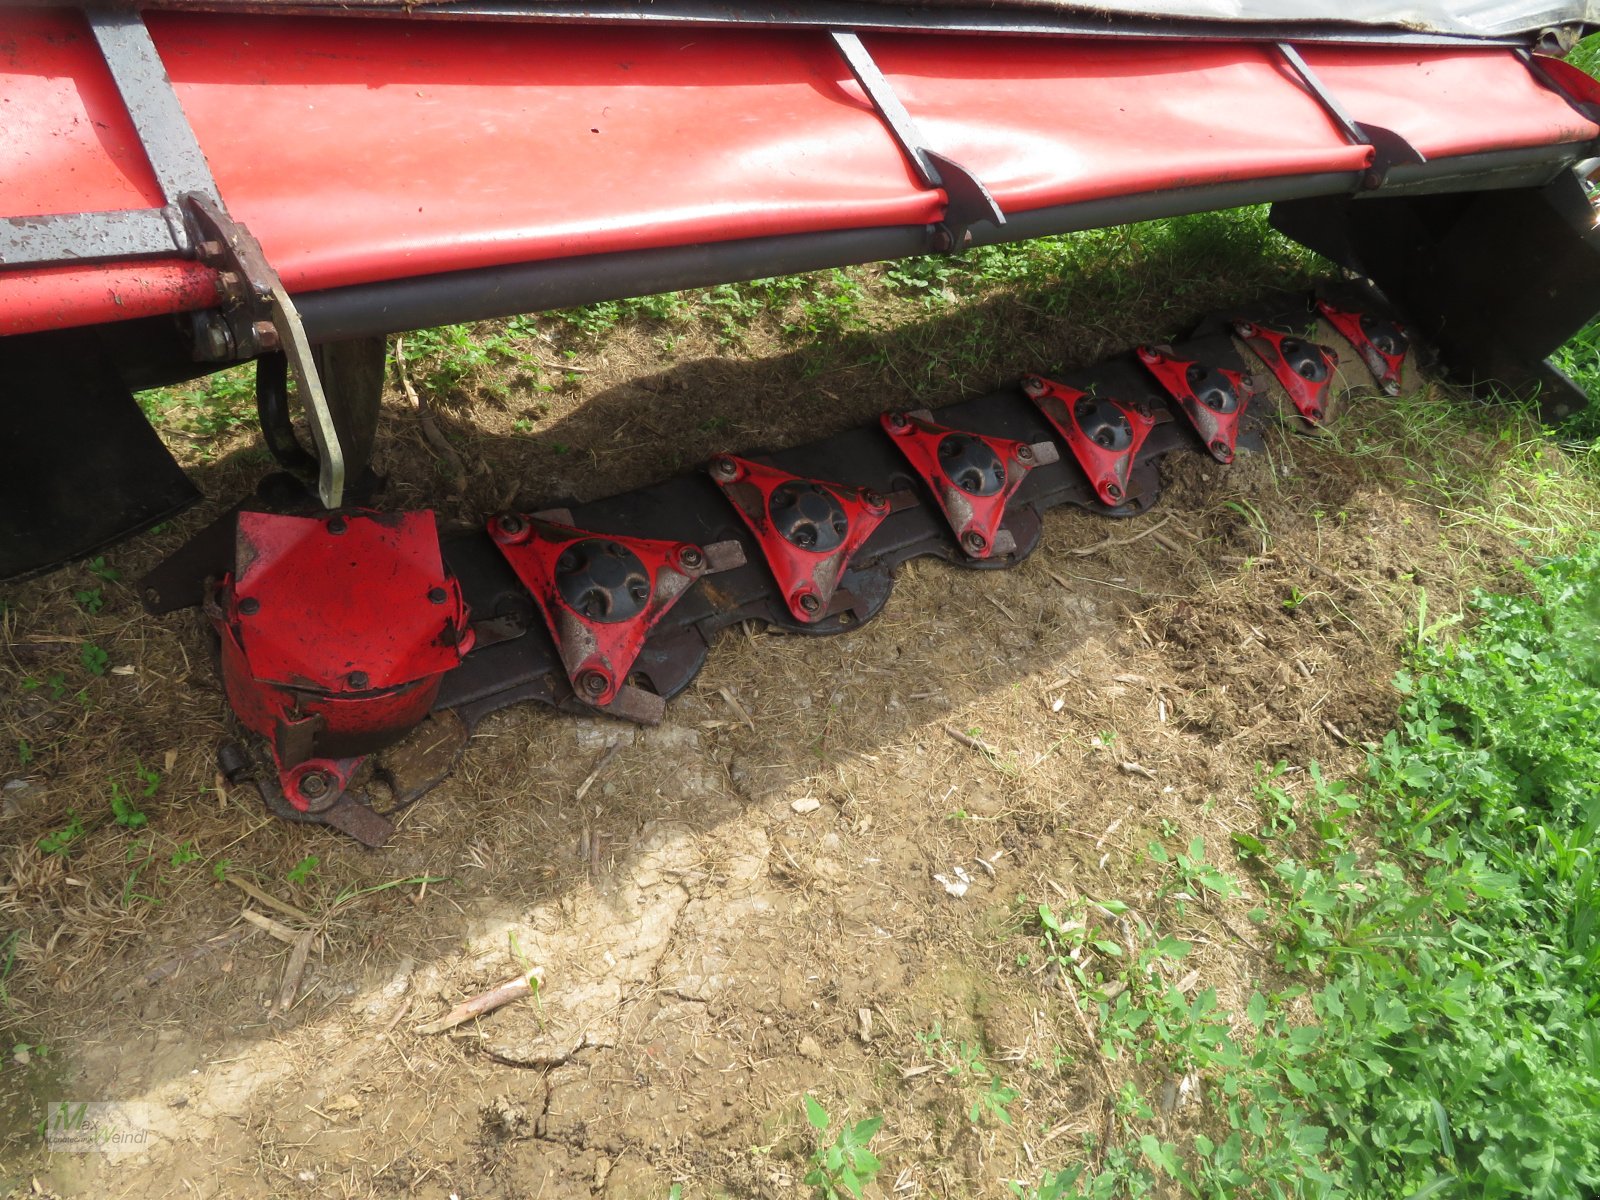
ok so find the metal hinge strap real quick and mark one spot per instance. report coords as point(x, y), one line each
point(967, 201)
point(1388, 147)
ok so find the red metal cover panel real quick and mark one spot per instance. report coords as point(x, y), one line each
point(1049, 122)
point(364, 150)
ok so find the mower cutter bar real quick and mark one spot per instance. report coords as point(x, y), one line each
point(611, 606)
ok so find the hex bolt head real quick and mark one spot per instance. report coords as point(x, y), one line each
point(437, 595)
point(873, 500)
point(357, 680)
point(266, 335)
point(1032, 385)
point(898, 420)
point(809, 603)
point(249, 606)
point(1025, 453)
point(691, 558)
point(1113, 491)
point(724, 468)
point(337, 525)
point(315, 784)
point(593, 683)
point(973, 542)
point(509, 525)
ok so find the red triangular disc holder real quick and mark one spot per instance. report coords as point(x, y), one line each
point(808, 529)
point(600, 594)
point(1381, 343)
point(1104, 434)
point(972, 476)
point(1305, 369)
point(1213, 398)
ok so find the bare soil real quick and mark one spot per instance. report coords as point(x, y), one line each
point(756, 900)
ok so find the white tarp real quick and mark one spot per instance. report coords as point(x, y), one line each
point(1491, 18)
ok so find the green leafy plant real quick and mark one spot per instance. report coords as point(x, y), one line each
point(99, 569)
point(125, 810)
point(94, 659)
point(57, 841)
point(184, 855)
point(845, 1166)
point(303, 870)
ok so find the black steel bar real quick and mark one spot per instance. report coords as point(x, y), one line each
point(1331, 103)
point(887, 102)
point(1536, 68)
point(967, 201)
point(1388, 148)
point(419, 302)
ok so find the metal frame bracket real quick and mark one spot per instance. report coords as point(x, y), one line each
point(967, 200)
point(259, 316)
point(1389, 149)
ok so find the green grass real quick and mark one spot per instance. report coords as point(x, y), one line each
point(1440, 928)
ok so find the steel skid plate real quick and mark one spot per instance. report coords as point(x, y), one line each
point(1381, 342)
point(1212, 396)
point(1304, 368)
point(1104, 434)
point(971, 477)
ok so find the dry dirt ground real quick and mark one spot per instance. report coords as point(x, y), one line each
point(754, 901)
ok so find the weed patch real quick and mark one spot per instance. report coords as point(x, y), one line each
point(1440, 928)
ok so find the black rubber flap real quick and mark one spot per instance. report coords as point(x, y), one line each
point(80, 467)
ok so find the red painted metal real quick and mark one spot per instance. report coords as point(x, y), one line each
point(336, 632)
point(382, 148)
point(1381, 343)
point(1213, 398)
point(972, 477)
point(600, 624)
point(1305, 369)
point(827, 522)
point(1103, 433)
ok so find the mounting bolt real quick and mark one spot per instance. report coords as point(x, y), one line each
point(508, 526)
point(973, 542)
point(809, 603)
point(593, 683)
point(249, 606)
point(209, 251)
point(1113, 491)
point(1025, 453)
point(315, 784)
point(357, 680)
point(437, 595)
point(213, 339)
point(1032, 385)
point(691, 559)
point(724, 468)
point(337, 525)
point(898, 420)
point(266, 335)
point(873, 500)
